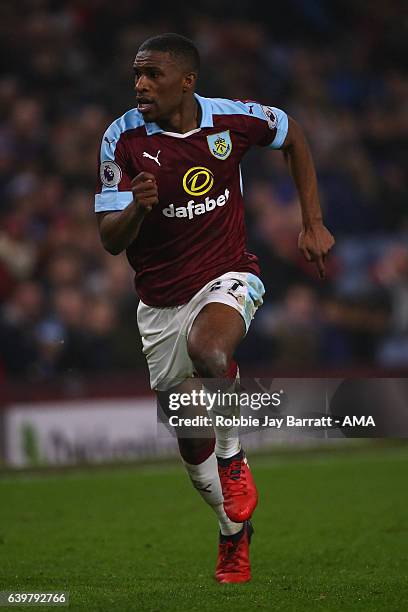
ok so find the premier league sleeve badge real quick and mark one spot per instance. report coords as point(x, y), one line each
point(110, 173)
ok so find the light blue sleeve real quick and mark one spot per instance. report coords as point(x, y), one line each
point(281, 127)
point(274, 118)
point(112, 167)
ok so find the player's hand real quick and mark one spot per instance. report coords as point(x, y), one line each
point(315, 241)
point(145, 193)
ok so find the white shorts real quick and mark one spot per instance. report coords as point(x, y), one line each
point(164, 331)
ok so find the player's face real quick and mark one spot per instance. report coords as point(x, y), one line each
point(160, 83)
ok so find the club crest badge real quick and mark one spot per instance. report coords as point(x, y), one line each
point(220, 144)
point(110, 173)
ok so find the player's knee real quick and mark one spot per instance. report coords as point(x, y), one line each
point(196, 450)
point(209, 361)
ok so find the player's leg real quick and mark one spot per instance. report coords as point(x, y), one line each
point(164, 334)
point(212, 341)
point(164, 337)
point(213, 338)
point(196, 446)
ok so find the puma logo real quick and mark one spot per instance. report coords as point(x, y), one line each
point(156, 159)
point(110, 142)
point(201, 487)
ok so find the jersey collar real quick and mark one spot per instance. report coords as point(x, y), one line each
point(206, 117)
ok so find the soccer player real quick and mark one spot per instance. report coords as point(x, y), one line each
point(170, 194)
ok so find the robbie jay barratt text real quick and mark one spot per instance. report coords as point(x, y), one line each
point(288, 421)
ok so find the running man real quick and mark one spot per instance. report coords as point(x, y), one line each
point(170, 195)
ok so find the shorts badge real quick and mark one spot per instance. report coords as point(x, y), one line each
point(220, 144)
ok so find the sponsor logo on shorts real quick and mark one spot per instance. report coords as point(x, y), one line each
point(220, 145)
point(110, 173)
point(198, 180)
point(193, 208)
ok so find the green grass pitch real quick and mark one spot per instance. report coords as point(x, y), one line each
point(331, 533)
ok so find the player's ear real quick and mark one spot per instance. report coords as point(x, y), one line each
point(190, 80)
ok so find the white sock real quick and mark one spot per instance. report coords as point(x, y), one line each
point(227, 443)
point(227, 527)
point(205, 479)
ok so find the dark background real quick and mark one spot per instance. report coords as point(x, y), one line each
point(68, 309)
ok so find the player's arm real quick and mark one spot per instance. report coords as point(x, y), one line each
point(315, 240)
point(118, 229)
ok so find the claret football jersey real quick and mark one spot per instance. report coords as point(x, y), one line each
point(196, 232)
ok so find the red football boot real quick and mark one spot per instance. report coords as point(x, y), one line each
point(238, 487)
point(233, 556)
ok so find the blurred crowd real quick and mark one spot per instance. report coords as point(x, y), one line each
point(339, 68)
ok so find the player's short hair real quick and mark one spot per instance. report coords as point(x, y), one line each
point(181, 47)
